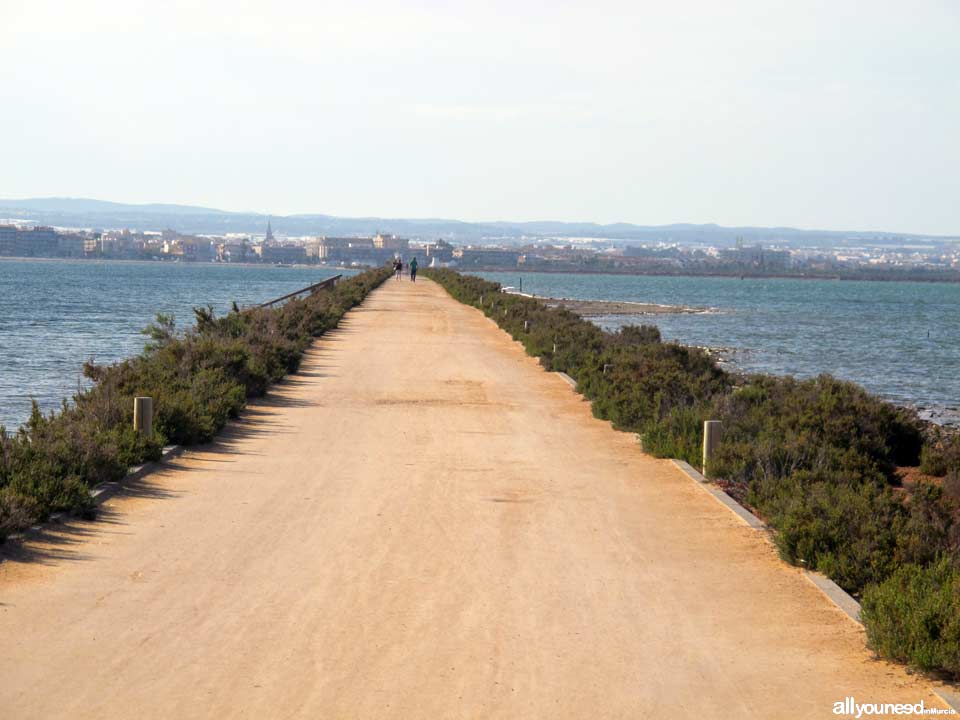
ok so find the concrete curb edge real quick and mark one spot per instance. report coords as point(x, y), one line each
point(102, 492)
point(950, 697)
point(833, 592)
point(728, 502)
point(836, 594)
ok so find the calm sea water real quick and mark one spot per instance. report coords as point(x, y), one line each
point(57, 314)
point(900, 340)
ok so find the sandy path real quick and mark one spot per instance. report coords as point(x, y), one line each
point(422, 524)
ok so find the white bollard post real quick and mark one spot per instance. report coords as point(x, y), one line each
point(143, 416)
point(526, 325)
point(711, 439)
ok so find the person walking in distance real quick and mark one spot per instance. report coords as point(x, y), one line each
point(397, 268)
point(413, 270)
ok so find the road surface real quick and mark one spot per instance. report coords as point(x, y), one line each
point(421, 524)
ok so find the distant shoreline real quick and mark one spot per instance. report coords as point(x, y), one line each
point(191, 263)
point(731, 276)
point(518, 271)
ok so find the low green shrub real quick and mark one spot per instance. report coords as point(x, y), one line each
point(941, 456)
point(677, 434)
point(17, 511)
point(951, 486)
point(914, 616)
point(637, 386)
point(845, 530)
point(198, 379)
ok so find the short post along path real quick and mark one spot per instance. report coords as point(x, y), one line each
point(422, 524)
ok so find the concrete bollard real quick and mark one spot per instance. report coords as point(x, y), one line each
point(711, 439)
point(526, 325)
point(481, 301)
point(143, 416)
point(554, 348)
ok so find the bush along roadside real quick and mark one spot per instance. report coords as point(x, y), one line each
point(820, 460)
point(198, 379)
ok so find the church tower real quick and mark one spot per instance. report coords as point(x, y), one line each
point(269, 237)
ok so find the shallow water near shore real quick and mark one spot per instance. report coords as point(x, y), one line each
point(900, 340)
point(55, 315)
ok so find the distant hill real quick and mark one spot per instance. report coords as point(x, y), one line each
point(100, 214)
point(85, 206)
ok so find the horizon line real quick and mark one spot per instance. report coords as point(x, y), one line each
point(469, 222)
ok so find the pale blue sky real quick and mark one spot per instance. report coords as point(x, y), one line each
point(839, 115)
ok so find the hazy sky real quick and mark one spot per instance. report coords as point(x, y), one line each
point(839, 114)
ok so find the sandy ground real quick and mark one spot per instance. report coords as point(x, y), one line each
point(421, 524)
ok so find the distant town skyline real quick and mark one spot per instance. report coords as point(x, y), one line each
point(892, 260)
point(818, 115)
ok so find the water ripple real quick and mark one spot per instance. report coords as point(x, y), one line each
point(58, 314)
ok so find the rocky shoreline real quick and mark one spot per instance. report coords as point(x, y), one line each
point(597, 308)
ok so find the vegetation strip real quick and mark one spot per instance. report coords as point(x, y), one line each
point(105, 490)
point(852, 486)
point(834, 593)
point(199, 379)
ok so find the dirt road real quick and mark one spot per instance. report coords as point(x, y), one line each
point(421, 524)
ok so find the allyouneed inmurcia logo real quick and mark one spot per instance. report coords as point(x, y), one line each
point(849, 706)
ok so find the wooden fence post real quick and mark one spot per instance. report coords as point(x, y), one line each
point(711, 439)
point(143, 416)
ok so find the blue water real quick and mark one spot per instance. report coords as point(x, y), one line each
point(57, 314)
point(900, 340)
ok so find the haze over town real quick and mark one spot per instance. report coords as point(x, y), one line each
point(830, 115)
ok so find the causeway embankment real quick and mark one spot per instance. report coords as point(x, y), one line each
point(421, 522)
